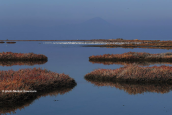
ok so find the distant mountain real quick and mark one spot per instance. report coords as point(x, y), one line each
point(95, 28)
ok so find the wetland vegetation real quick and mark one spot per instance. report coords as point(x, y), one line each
point(30, 79)
point(21, 56)
point(134, 73)
point(134, 56)
point(151, 44)
point(22, 62)
point(140, 63)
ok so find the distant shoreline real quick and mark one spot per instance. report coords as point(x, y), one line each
point(112, 43)
point(108, 40)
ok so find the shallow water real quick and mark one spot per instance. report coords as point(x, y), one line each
point(86, 98)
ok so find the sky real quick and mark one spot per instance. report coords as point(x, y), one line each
point(112, 10)
point(49, 19)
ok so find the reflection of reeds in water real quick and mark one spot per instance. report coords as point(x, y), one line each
point(134, 88)
point(140, 63)
point(7, 107)
point(22, 62)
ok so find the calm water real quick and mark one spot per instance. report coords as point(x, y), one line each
point(87, 98)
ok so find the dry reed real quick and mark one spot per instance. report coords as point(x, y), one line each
point(21, 56)
point(134, 73)
point(30, 79)
point(134, 56)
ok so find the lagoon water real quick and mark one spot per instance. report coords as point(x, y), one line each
point(86, 98)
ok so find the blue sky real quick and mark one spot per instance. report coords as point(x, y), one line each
point(87, 9)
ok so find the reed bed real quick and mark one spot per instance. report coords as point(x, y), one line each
point(134, 56)
point(142, 44)
point(146, 47)
point(22, 62)
point(134, 88)
point(12, 107)
point(21, 56)
point(30, 79)
point(10, 42)
point(134, 73)
point(140, 63)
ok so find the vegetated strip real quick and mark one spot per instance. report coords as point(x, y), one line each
point(10, 42)
point(132, 47)
point(134, 88)
point(128, 62)
point(142, 43)
point(21, 62)
point(30, 79)
point(21, 56)
point(133, 56)
point(134, 73)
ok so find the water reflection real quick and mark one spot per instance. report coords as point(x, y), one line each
point(134, 88)
point(140, 63)
point(19, 62)
point(7, 107)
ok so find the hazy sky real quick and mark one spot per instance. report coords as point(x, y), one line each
point(83, 10)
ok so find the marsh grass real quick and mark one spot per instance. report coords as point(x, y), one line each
point(21, 56)
point(10, 42)
point(154, 44)
point(30, 79)
point(144, 47)
point(128, 62)
point(134, 56)
point(21, 62)
point(134, 73)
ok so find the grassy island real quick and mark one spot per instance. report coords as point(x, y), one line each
point(155, 44)
point(21, 56)
point(10, 42)
point(23, 62)
point(134, 74)
point(34, 79)
point(133, 56)
point(128, 62)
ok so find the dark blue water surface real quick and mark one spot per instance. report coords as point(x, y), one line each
point(86, 98)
